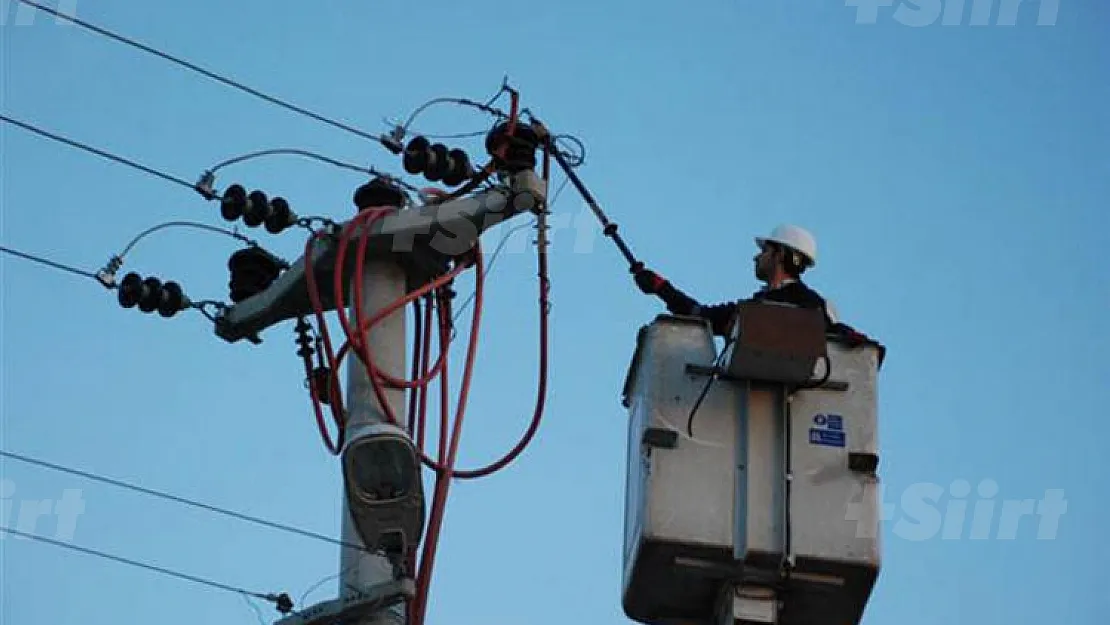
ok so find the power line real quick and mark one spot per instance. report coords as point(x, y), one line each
point(188, 502)
point(49, 263)
point(312, 155)
point(281, 600)
point(185, 224)
point(97, 151)
point(296, 152)
point(200, 70)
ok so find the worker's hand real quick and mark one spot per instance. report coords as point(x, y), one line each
point(649, 281)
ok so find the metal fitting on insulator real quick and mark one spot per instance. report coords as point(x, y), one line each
point(206, 185)
point(392, 141)
point(253, 270)
point(107, 274)
point(151, 294)
point(380, 191)
point(233, 202)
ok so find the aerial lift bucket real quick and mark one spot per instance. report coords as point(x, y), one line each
point(761, 507)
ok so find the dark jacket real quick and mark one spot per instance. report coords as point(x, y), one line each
point(720, 315)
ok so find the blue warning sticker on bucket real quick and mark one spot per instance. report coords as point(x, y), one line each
point(828, 430)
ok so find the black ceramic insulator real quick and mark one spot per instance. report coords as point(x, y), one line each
point(152, 293)
point(520, 153)
point(130, 290)
point(258, 208)
point(416, 155)
point(280, 217)
point(437, 164)
point(233, 203)
point(172, 299)
point(458, 168)
point(378, 192)
point(252, 271)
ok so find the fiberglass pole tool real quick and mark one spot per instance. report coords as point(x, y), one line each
point(608, 227)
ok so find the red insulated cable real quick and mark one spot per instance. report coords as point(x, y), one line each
point(362, 323)
point(439, 282)
point(444, 393)
point(541, 387)
point(421, 410)
point(336, 398)
point(364, 218)
point(318, 410)
point(443, 480)
point(417, 363)
point(373, 372)
point(355, 340)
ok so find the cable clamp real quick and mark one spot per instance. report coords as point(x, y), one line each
point(107, 275)
point(206, 185)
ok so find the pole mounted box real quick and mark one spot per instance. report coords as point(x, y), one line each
point(769, 487)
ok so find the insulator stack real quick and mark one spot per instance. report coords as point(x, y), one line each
point(437, 163)
point(253, 270)
point(319, 376)
point(151, 294)
point(256, 209)
point(514, 151)
point(379, 192)
point(304, 341)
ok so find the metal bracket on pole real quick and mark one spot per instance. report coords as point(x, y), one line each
point(423, 238)
point(354, 606)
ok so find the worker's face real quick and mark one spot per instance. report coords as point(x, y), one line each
point(765, 261)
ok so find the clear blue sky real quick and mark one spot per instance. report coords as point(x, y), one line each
point(956, 178)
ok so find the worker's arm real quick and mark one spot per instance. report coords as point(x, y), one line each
point(719, 316)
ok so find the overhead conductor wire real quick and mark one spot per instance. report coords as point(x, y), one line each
point(49, 263)
point(281, 600)
point(200, 70)
point(176, 499)
point(101, 153)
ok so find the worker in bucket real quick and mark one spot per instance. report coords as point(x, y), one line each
point(782, 258)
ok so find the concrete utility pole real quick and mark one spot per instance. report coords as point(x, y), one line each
point(383, 495)
point(383, 283)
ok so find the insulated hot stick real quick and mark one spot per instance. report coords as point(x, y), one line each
point(608, 227)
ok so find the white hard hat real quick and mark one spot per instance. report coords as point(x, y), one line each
point(795, 238)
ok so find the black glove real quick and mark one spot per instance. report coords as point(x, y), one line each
point(649, 281)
